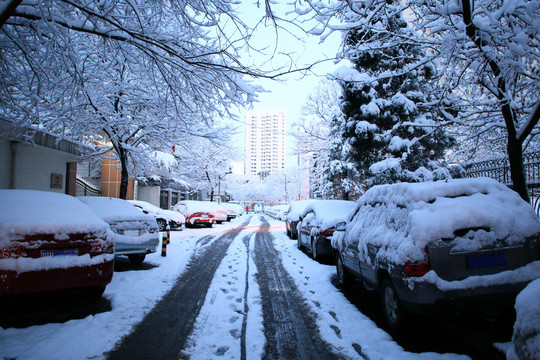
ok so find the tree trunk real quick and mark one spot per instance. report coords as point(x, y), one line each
point(517, 173)
point(124, 179)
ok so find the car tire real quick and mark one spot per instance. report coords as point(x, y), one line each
point(219, 222)
point(209, 225)
point(314, 253)
point(162, 224)
point(136, 259)
point(393, 311)
point(344, 277)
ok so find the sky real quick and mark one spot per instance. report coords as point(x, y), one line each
point(290, 92)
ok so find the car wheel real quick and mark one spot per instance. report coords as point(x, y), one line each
point(314, 253)
point(136, 259)
point(209, 225)
point(162, 224)
point(289, 233)
point(219, 222)
point(344, 277)
point(393, 312)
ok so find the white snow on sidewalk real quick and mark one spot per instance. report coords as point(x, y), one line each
point(218, 328)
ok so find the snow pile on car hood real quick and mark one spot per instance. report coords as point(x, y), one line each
point(403, 218)
point(329, 212)
point(26, 212)
point(297, 208)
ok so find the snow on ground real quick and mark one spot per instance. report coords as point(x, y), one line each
point(233, 298)
point(340, 323)
point(132, 294)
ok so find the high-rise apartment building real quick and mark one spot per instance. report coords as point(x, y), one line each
point(265, 142)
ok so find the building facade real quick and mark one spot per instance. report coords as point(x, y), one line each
point(265, 147)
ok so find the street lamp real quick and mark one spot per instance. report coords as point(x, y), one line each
point(221, 177)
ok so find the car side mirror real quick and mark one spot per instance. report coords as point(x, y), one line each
point(340, 226)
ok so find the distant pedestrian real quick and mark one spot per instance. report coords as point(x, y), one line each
point(247, 209)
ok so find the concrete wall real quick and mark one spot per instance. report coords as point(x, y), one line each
point(149, 194)
point(34, 167)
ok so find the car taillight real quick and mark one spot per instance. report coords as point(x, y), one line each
point(327, 232)
point(98, 247)
point(416, 268)
point(13, 252)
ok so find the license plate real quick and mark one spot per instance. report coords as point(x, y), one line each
point(484, 261)
point(69, 252)
point(131, 232)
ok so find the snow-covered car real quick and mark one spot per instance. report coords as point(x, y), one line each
point(163, 217)
point(440, 247)
point(135, 233)
point(51, 242)
point(233, 210)
point(293, 216)
point(526, 337)
point(277, 211)
point(196, 213)
point(220, 212)
point(257, 209)
point(318, 223)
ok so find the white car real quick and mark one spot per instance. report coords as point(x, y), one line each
point(233, 210)
point(163, 217)
point(220, 212)
point(136, 233)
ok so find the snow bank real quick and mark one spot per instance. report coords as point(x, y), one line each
point(526, 338)
point(24, 212)
point(404, 218)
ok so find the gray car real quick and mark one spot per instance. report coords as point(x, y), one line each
point(135, 233)
point(440, 247)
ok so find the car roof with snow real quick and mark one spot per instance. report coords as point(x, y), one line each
point(113, 209)
point(296, 208)
point(329, 212)
point(24, 212)
point(404, 218)
point(146, 205)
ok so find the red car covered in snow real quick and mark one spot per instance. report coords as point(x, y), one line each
point(51, 241)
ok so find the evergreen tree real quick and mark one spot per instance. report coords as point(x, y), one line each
point(390, 128)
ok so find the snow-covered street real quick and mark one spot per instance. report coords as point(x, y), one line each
point(233, 320)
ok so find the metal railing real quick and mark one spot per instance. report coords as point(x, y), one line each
point(499, 169)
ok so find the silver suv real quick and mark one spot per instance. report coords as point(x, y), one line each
point(440, 246)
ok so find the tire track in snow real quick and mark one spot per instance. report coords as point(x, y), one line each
point(163, 331)
point(290, 329)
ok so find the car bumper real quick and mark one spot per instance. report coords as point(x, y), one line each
point(13, 283)
point(200, 220)
point(430, 294)
point(121, 248)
